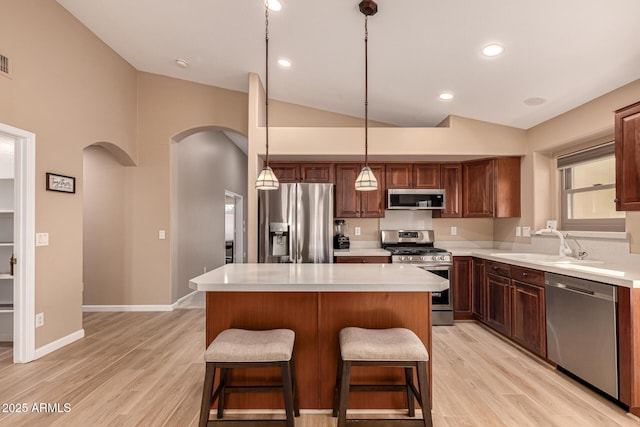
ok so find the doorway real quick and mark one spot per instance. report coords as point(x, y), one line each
point(233, 228)
point(17, 241)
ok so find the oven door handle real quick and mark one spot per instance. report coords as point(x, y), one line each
point(434, 267)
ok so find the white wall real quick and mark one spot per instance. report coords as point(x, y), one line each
point(206, 164)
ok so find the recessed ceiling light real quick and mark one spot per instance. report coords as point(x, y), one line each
point(446, 96)
point(492, 50)
point(284, 62)
point(274, 5)
point(182, 63)
point(535, 101)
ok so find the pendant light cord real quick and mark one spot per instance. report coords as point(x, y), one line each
point(266, 83)
point(366, 92)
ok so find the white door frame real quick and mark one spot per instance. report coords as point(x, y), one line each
point(238, 213)
point(24, 243)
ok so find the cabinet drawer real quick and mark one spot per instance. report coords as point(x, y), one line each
point(363, 259)
point(527, 275)
point(498, 268)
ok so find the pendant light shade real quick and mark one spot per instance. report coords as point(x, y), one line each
point(266, 180)
point(366, 180)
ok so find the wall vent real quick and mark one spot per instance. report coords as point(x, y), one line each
point(5, 70)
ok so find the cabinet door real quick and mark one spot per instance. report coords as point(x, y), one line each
point(286, 172)
point(507, 187)
point(426, 175)
point(372, 203)
point(627, 159)
point(461, 287)
point(347, 199)
point(399, 175)
point(499, 303)
point(451, 180)
point(317, 172)
point(477, 189)
point(528, 317)
point(478, 289)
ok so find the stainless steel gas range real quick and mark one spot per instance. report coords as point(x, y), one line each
point(416, 247)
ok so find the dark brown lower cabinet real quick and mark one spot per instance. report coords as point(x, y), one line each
point(478, 289)
point(515, 305)
point(461, 287)
point(499, 303)
point(363, 259)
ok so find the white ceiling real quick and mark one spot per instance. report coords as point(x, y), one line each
point(565, 51)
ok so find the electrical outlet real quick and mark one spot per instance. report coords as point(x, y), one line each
point(526, 231)
point(518, 231)
point(39, 320)
point(162, 234)
point(204, 269)
point(454, 231)
point(42, 239)
point(552, 224)
point(357, 231)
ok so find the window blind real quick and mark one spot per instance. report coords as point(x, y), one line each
point(583, 156)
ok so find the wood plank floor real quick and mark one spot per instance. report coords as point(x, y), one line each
point(146, 369)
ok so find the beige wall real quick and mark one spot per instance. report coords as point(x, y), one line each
point(590, 123)
point(71, 90)
point(207, 164)
point(286, 114)
point(106, 226)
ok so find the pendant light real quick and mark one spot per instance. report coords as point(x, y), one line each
point(366, 181)
point(266, 180)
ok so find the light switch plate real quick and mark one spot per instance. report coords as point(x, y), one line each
point(518, 231)
point(454, 231)
point(526, 231)
point(357, 230)
point(42, 239)
point(162, 234)
point(552, 224)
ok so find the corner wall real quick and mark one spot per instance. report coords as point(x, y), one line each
point(71, 90)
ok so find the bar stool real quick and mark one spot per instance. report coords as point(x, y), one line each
point(382, 347)
point(239, 348)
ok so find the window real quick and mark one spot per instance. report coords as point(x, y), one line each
point(588, 188)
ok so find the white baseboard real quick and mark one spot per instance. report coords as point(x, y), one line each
point(175, 305)
point(59, 343)
point(178, 303)
point(93, 308)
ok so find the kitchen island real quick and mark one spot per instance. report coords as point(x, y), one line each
point(316, 301)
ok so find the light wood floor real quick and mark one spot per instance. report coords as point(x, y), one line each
point(146, 369)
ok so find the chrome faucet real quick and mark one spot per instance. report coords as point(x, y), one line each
point(582, 254)
point(564, 249)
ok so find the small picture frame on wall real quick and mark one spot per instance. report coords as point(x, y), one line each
point(61, 183)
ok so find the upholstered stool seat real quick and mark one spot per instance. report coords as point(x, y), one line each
point(383, 347)
point(240, 348)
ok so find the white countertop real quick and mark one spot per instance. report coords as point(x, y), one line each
point(604, 272)
point(318, 278)
point(361, 252)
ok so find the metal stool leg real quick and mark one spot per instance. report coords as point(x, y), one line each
point(344, 392)
point(287, 391)
point(411, 405)
point(223, 385)
point(423, 386)
point(207, 393)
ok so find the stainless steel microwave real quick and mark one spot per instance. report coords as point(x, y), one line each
point(412, 199)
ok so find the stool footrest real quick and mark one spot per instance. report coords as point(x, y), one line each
point(378, 387)
point(251, 389)
point(254, 423)
point(379, 422)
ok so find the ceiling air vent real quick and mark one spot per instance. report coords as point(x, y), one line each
point(4, 66)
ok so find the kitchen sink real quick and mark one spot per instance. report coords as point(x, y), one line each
point(545, 258)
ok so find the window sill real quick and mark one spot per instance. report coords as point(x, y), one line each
point(595, 235)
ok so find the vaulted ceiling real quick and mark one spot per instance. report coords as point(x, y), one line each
point(563, 52)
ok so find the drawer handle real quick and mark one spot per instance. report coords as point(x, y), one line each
point(524, 274)
point(494, 267)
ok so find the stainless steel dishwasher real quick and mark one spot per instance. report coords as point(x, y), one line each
point(581, 329)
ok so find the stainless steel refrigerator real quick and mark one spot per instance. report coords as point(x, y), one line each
point(296, 224)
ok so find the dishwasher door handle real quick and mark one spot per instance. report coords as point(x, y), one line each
point(576, 289)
